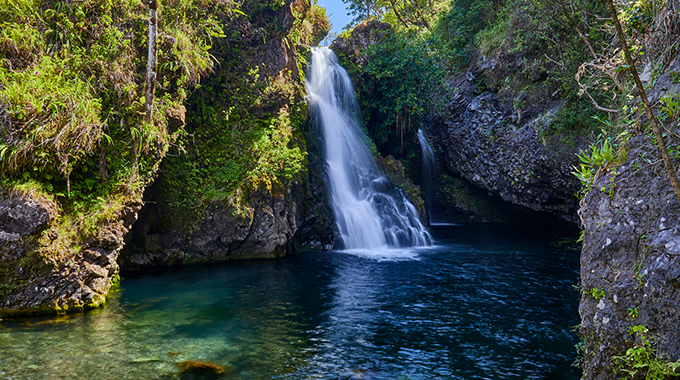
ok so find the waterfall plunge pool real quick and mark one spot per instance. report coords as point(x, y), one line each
point(487, 302)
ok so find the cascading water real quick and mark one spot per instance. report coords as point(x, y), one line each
point(428, 171)
point(370, 213)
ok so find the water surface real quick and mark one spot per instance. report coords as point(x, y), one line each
point(487, 302)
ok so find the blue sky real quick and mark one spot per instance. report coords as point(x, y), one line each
point(336, 11)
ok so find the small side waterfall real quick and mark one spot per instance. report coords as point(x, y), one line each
point(428, 172)
point(370, 213)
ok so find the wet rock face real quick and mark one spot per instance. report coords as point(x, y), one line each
point(632, 253)
point(262, 230)
point(482, 138)
point(362, 37)
point(20, 218)
point(317, 230)
point(54, 284)
point(23, 216)
point(82, 282)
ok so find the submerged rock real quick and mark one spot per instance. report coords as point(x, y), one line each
point(200, 367)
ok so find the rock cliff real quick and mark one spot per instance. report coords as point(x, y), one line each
point(630, 262)
point(486, 138)
point(45, 284)
point(259, 182)
point(62, 232)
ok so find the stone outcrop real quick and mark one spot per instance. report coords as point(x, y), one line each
point(483, 137)
point(630, 262)
point(262, 230)
point(46, 284)
point(364, 35)
point(317, 229)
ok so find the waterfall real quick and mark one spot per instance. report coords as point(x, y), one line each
point(428, 172)
point(370, 212)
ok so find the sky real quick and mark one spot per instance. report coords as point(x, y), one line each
point(336, 11)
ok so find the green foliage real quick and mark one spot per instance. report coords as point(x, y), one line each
point(576, 118)
point(56, 118)
point(638, 16)
point(670, 108)
point(604, 155)
point(642, 359)
point(363, 10)
point(457, 29)
point(403, 74)
point(414, 15)
point(598, 293)
point(545, 45)
point(71, 103)
point(404, 80)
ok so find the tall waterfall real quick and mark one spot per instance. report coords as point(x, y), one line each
point(370, 213)
point(428, 171)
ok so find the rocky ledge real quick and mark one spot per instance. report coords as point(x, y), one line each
point(262, 230)
point(630, 263)
point(486, 138)
point(43, 282)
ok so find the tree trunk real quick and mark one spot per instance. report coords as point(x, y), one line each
point(396, 12)
point(150, 84)
point(648, 108)
point(151, 60)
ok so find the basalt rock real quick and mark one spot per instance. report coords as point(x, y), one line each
point(43, 282)
point(483, 138)
point(317, 230)
point(630, 262)
point(354, 46)
point(223, 233)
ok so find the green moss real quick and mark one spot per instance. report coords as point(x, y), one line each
point(24, 311)
point(233, 152)
point(73, 93)
point(11, 280)
point(244, 128)
point(71, 87)
point(115, 283)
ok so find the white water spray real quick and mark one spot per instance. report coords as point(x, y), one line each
point(370, 213)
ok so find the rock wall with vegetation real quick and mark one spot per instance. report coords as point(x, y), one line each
point(77, 153)
point(629, 263)
point(236, 188)
point(630, 270)
point(501, 116)
point(484, 139)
